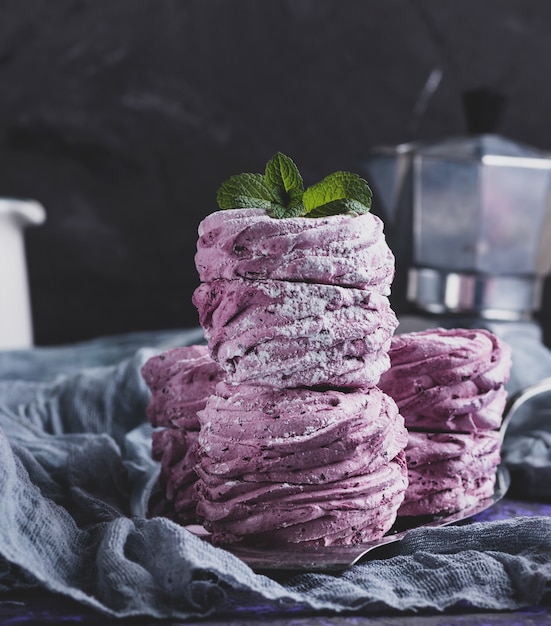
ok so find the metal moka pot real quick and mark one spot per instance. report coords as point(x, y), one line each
point(469, 221)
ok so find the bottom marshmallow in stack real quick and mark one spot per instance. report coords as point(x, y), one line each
point(300, 466)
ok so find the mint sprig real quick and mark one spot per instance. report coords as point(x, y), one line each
point(246, 191)
point(280, 191)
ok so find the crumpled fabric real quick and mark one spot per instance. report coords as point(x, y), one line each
point(76, 474)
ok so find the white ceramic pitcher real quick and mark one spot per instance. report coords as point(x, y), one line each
point(16, 329)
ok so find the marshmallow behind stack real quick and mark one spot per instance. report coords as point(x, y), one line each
point(449, 386)
point(180, 381)
point(449, 471)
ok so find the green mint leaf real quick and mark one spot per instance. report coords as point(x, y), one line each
point(295, 208)
point(282, 174)
point(245, 191)
point(340, 192)
point(285, 182)
point(280, 192)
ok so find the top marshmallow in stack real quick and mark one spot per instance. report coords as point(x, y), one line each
point(299, 302)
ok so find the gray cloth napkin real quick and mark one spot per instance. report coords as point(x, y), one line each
point(76, 473)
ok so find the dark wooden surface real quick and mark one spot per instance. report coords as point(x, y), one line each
point(49, 609)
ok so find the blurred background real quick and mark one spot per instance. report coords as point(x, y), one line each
point(122, 117)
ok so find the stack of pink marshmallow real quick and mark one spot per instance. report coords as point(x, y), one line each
point(297, 443)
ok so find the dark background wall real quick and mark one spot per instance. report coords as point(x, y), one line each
point(123, 116)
